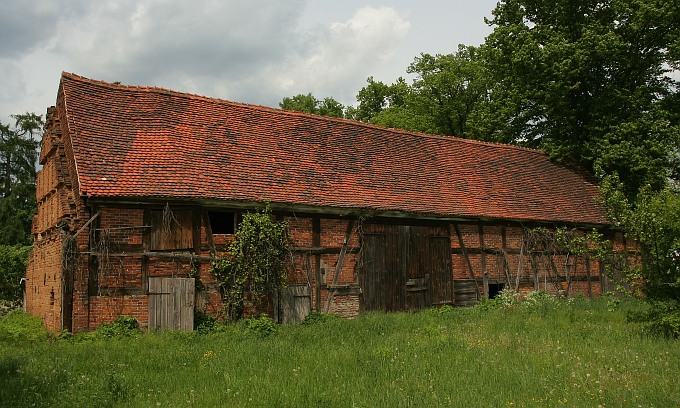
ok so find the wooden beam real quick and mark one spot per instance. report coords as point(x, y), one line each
point(316, 242)
point(485, 277)
point(465, 255)
point(338, 266)
point(94, 217)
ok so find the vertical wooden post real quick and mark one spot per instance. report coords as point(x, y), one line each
point(338, 266)
point(482, 248)
point(506, 262)
point(316, 242)
point(590, 287)
point(467, 259)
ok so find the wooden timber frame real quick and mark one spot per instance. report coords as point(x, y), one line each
point(422, 277)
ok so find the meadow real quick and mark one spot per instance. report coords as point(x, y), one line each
point(580, 353)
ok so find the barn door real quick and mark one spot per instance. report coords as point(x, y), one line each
point(171, 303)
point(405, 267)
point(441, 273)
point(296, 303)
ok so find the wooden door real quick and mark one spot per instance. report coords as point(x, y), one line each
point(171, 303)
point(296, 303)
point(405, 267)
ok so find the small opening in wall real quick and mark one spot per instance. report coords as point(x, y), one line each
point(52, 298)
point(222, 222)
point(495, 289)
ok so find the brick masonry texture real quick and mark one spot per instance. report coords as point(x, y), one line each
point(210, 154)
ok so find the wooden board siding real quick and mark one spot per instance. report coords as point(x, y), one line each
point(171, 303)
point(179, 236)
point(296, 303)
point(406, 267)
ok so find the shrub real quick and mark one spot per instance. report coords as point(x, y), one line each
point(662, 318)
point(13, 261)
point(256, 264)
point(262, 326)
point(537, 299)
point(123, 326)
point(19, 326)
point(506, 298)
point(204, 323)
point(318, 318)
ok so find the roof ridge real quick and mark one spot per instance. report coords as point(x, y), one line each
point(190, 95)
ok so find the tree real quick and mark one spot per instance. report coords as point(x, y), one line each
point(309, 104)
point(587, 80)
point(449, 96)
point(453, 91)
point(18, 159)
point(652, 221)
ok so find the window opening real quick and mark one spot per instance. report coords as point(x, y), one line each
point(222, 222)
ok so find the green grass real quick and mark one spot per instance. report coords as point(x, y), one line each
point(571, 354)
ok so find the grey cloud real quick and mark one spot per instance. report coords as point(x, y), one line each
point(27, 24)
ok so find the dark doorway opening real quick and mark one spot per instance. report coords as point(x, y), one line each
point(495, 289)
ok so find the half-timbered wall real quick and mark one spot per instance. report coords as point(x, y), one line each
point(94, 262)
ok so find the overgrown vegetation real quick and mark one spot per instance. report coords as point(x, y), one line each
point(256, 264)
point(652, 220)
point(13, 260)
point(561, 353)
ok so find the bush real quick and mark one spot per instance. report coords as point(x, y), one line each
point(318, 318)
point(123, 326)
point(662, 318)
point(262, 326)
point(538, 299)
point(506, 298)
point(204, 323)
point(19, 326)
point(13, 261)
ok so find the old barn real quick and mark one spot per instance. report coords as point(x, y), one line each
point(381, 219)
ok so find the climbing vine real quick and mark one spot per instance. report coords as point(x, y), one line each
point(257, 262)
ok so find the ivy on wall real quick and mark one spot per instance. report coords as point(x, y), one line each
point(256, 264)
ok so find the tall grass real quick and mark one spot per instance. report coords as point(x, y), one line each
point(577, 353)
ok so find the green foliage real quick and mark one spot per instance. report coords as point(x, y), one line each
point(449, 96)
point(539, 299)
point(123, 326)
point(582, 356)
point(13, 261)
point(204, 323)
point(587, 80)
point(309, 104)
point(256, 263)
point(18, 158)
point(506, 298)
point(662, 318)
point(17, 326)
point(318, 318)
point(652, 220)
point(261, 326)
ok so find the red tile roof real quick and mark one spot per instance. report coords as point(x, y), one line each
point(149, 142)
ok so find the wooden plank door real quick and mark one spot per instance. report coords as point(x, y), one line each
point(171, 303)
point(441, 272)
point(296, 303)
point(405, 267)
point(415, 266)
point(373, 276)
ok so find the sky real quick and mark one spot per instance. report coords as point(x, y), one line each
point(254, 51)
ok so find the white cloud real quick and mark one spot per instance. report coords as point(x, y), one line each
point(255, 51)
point(344, 53)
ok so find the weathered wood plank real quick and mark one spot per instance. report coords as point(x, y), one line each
point(465, 255)
point(338, 266)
